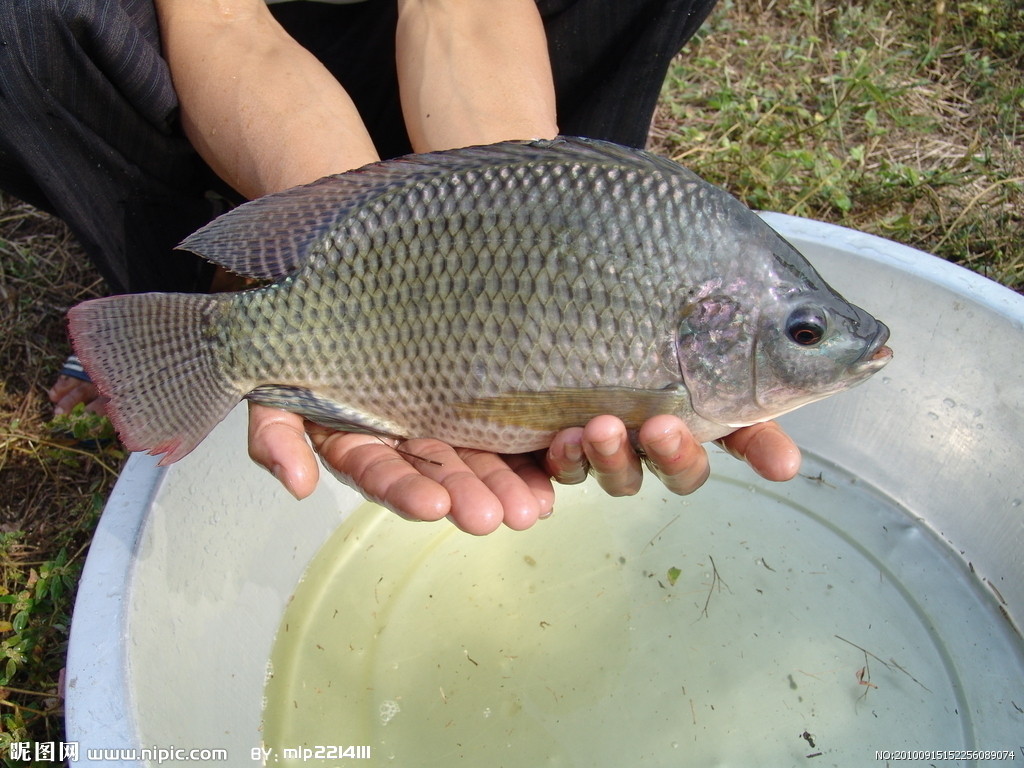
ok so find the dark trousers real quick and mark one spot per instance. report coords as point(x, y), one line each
point(88, 116)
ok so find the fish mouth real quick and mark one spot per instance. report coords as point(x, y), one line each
point(876, 355)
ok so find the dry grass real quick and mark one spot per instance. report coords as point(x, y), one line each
point(42, 274)
point(53, 489)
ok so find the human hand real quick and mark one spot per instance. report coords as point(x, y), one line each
point(478, 491)
point(424, 480)
point(603, 448)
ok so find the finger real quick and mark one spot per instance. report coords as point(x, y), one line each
point(277, 442)
point(522, 488)
point(564, 459)
point(382, 474)
point(531, 470)
point(673, 454)
point(427, 479)
point(474, 506)
point(767, 449)
point(612, 459)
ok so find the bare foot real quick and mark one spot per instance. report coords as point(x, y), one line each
point(69, 391)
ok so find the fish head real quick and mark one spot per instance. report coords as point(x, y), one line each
point(771, 341)
point(813, 346)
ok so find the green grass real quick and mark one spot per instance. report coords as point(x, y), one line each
point(901, 118)
point(54, 483)
point(894, 119)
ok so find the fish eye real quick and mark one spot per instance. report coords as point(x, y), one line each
point(806, 326)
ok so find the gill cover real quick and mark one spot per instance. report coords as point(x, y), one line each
point(715, 348)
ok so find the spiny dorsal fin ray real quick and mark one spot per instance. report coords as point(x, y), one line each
point(271, 237)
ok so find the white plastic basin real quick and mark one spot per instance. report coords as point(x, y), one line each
point(192, 566)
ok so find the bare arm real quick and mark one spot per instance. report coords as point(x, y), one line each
point(266, 115)
point(474, 72)
point(258, 107)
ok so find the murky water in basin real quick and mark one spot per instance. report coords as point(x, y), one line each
point(810, 623)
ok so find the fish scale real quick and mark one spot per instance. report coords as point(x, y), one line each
point(504, 276)
point(489, 297)
point(491, 281)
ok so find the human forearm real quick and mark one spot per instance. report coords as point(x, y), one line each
point(259, 108)
point(266, 115)
point(473, 72)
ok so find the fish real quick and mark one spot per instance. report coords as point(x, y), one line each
point(488, 297)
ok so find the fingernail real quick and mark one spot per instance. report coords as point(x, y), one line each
point(667, 446)
point(607, 447)
point(278, 472)
point(573, 451)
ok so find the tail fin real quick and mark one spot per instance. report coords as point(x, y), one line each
point(152, 354)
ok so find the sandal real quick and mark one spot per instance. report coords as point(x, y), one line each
point(73, 367)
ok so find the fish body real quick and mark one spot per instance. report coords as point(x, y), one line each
point(488, 297)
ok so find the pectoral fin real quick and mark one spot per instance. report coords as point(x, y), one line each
point(552, 410)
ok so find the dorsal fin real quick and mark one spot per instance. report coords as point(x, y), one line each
point(271, 237)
